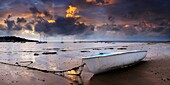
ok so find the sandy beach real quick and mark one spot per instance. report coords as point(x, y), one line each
point(153, 70)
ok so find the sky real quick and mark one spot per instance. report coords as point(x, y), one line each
point(136, 20)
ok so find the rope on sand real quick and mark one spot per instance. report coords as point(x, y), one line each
point(77, 70)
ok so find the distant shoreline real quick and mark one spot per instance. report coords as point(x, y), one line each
point(141, 41)
point(112, 41)
point(19, 39)
point(15, 39)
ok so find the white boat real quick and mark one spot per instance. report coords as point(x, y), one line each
point(107, 61)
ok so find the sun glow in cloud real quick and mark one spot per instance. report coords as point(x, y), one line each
point(3, 24)
point(51, 21)
point(26, 15)
point(28, 32)
point(126, 26)
point(71, 12)
point(41, 15)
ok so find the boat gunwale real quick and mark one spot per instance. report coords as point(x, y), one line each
point(113, 54)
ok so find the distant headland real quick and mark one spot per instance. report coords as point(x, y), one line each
point(15, 39)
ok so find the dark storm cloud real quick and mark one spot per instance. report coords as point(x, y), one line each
point(118, 28)
point(34, 10)
point(159, 32)
point(137, 9)
point(28, 27)
point(63, 26)
point(67, 26)
point(21, 20)
point(10, 24)
point(152, 11)
point(15, 7)
point(46, 13)
point(17, 28)
point(129, 9)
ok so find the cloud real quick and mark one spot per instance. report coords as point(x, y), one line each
point(140, 9)
point(159, 32)
point(63, 26)
point(21, 20)
point(10, 24)
point(149, 18)
point(34, 10)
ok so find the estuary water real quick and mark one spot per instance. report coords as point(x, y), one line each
point(65, 55)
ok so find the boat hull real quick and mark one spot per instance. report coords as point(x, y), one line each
point(102, 64)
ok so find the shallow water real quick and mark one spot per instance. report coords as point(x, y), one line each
point(67, 53)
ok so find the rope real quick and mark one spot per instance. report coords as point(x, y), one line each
point(76, 69)
point(59, 73)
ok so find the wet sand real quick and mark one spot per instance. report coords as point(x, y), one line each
point(153, 70)
point(145, 73)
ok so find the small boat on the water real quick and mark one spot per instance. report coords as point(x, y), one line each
point(107, 61)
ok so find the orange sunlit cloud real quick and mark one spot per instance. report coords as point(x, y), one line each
point(71, 12)
point(26, 15)
point(2, 23)
point(126, 26)
point(51, 21)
